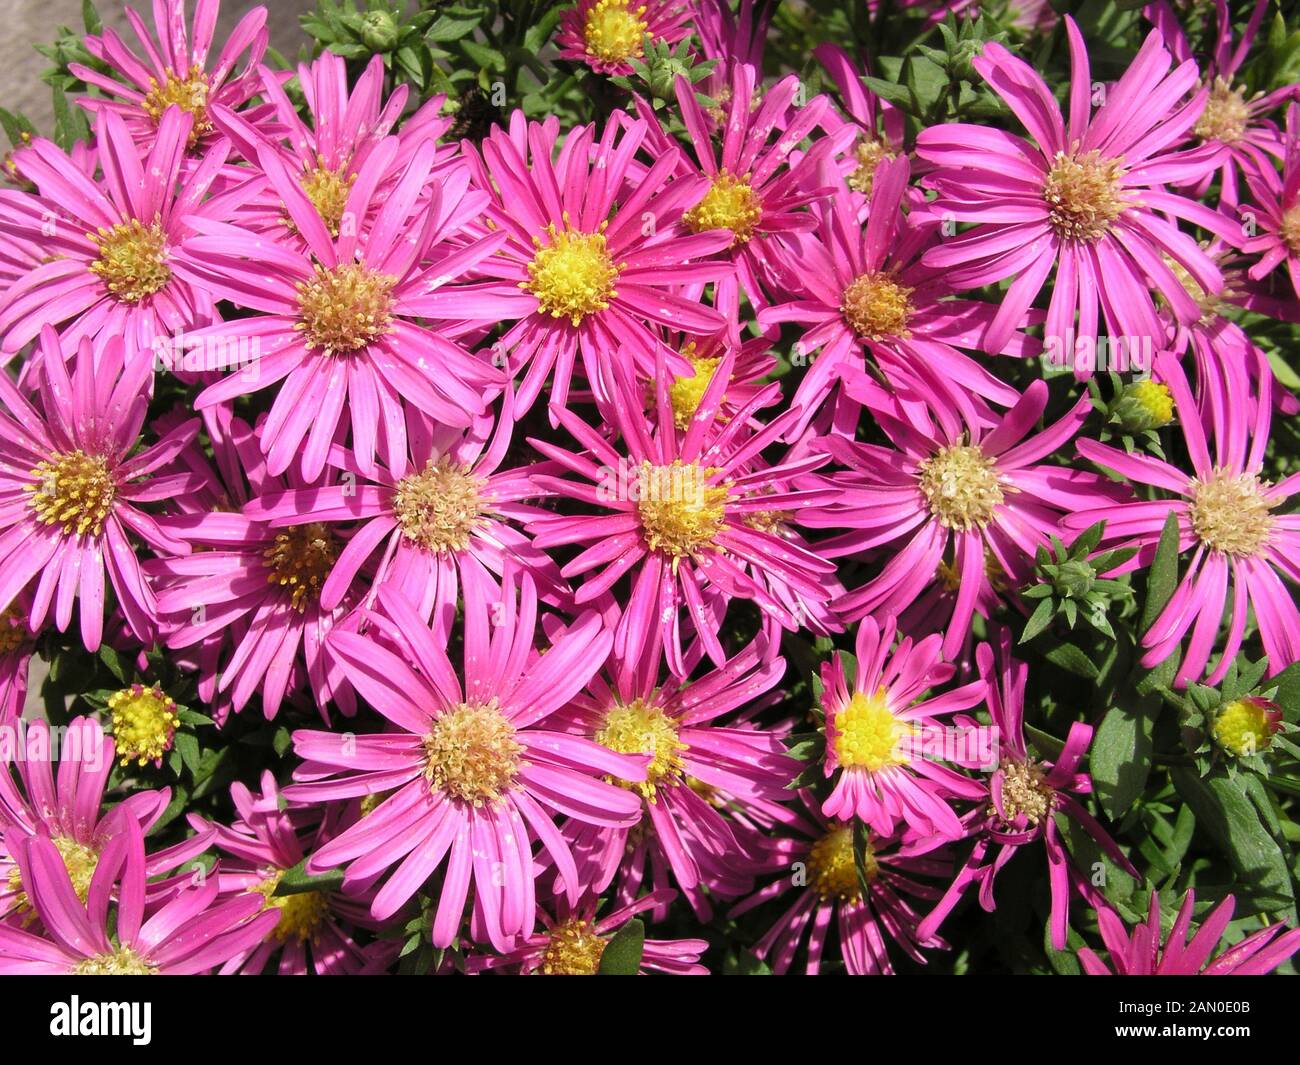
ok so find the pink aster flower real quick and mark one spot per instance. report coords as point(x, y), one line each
point(606, 34)
point(110, 249)
point(476, 776)
point(1243, 553)
point(1276, 211)
point(819, 865)
point(1143, 951)
point(1083, 198)
point(574, 943)
point(729, 36)
point(595, 252)
point(1021, 801)
point(175, 69)
point(334, 325)
point(110, 932)
point(877, 127)
point(72, 487)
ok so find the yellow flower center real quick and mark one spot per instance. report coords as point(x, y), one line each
point(301, 559)
point(121, 962)
point(1211, 305)
point(961, 485)
point(870, 153)
point(1230, 514)
point(572, 949)
point(832, 871)
point(1084, 195)
point(301, 913)
point(868, 734)
point(643, 728)
point(615, 31)
point(877, 306)
point(685, 393)
point(730, 204)
point(1025, 791)
point(572, 276)
point(1155, 399)
point(132, 260)
point(144, 721)
point(440, 507)
point(73, 489)
point(471, 753)
point(1226, 114)
point(680, 511)
point(1243, 727)
point(344, 309)
point(1290, 228)
point(328, 191)
point(189, 93)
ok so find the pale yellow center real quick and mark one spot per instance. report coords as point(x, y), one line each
point(74, 490)
point(1226, 114)
point(832, 869)
point(876, 306)
point(328, 191)
point(121, 962)
point(189, 92)
point(1290, 228)
point(300, 560)
point(730, 204)
point(471, 753)
point(1230, 514)
point(961, 485)
point(1084, 195)
point(686, 393)
point(870, 153)
point(344, 309)
point(572, 949)
point(301, 914)
point(1025, 791)
point(132, 259)
point(643, 728)
point(680, 511)
point(440, 507)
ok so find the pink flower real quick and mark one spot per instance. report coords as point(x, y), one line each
point(1277, 211)
point(606, 34)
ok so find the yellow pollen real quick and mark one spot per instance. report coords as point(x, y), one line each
point(643, 728)
point(80, 861)
point(1230, 514)
point(870, 153)
point(572, 276)
point(1226, 114)
point(13, 631)
point(301, 560)
point(301, 913)
point(993, 573)
point(832, 871)
point(680, 511)
point(1212, 306)
point(439, 507)
point(344, 309)
point(189, 93)
point(572, 949)
point(1155, 399)
point(730, 204)
point(1245, 726)
point(1290, 228)
point(1025, 791)
point(73, 489)
point(685, 393)
point(121, 962)
point(961, 485)
point(1084, 195)
point(877, 306)
point(144, 721)
point(471, 753)
point(615, 31)
point(132, 259)
point(328, 191)
point(868, 735)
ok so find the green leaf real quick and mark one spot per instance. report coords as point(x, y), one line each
point(1162, 578)
point(1120, 761)
point(622, 955)
point(113, 661)
point(1038, 620)
point(188, 745)
point(1073, 659)
point(297, 880)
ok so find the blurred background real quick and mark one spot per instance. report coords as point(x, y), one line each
point(35, 21)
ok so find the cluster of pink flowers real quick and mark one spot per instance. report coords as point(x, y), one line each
point(483, 480)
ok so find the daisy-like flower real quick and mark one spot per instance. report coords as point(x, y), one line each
point(1022, 799)
point(72, 485)
point(67, 809)
point(818, 863)
point(449, 506)
point(175, 69)
point(110, 932)
point(701, 768)
point(682, 521)
point(607, 34)
point(1276, 211)
point(1083, 197)
point(596, 250)
point(753, 363)
point(1142, 951)
point(315, 931)
point(885, 739)
point(110, 248)
point(475, 774)
point(878, 128)
point(261, 588)
point(1243, 553)
point(574, 943)
point(334, 317)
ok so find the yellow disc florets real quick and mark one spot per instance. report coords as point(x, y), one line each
point(572, 274)
point(870, 153)
point(1226, 114)
point(832, 869)
point(75, 490)
point(686, 393)
point(1289, 230)
point(1230, 513)
point(643, 728)
point(80, 860)
point(328, 191)
point(572, 949)
point(121, 962)
point(131, 259)
point(471, 753)
point(1084, 195)
point(961, 485)
point(144, 722)
point(730, 204)
point(301, 913)
point(1246, 726)
point(868, 735)
point(680, 511)
point(877, 306)
point(344, 309)
point(440, 507)
point(1026, 791)
point(1155, 399)
point(615, 31)
point(300, 560)
point(189, 92)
